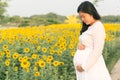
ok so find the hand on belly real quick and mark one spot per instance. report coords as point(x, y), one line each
point(81, 46)
point(79, 68)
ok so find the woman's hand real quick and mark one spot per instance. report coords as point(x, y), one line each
point(79, 68)
point(81, 46)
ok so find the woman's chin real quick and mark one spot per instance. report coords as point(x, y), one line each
point(88, 23)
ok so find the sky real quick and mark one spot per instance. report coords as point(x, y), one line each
point(26, 8)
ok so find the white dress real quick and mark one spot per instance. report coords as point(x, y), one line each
point(91, 58)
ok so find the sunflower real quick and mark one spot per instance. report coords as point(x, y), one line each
point(43, 37)
point(2, 54)
point(25, 58)
point(7, 51)
point(62, 46)
point(44, 57)
point(35, 68)
point(5, 47)
point(48, 40)
point(20, 59)
point(36, 63)
point(58, 44)
point(7, 62)
point(59, 52)
point(26, 50)
point(25, 64)
point(61, 63)
point(34, 56)
point(72, 53)
point(71, 46)
point(16, 68)
point(41, 63)
point(8, 55)
point(55, 63)
point(27, 69)
point(49, 60)
point(38, 47)
point(50, 57)
point(44, 50)
point(15, 55)
point(52, 51)
point(37, 73)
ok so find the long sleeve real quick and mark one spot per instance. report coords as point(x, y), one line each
point(98, 45)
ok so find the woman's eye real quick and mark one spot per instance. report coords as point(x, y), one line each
point(82, 16)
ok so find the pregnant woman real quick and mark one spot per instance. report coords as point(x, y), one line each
point(88, 59)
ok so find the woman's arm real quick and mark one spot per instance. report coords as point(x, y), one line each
point(98, 41)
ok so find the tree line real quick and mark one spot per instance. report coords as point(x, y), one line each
point(35, 20)
point(46, 19)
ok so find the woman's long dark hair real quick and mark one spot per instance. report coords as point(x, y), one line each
point(87, 7)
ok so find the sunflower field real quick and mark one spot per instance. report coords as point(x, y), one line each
point(44, 52)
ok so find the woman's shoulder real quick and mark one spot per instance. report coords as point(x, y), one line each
point(97, 25)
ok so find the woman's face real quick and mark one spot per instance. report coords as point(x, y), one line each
point(86, 18)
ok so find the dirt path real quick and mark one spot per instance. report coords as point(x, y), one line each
point(115, 73)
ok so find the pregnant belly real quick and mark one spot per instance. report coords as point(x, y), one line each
point(81, 56)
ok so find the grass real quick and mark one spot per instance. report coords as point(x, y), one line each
point(113, 53)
